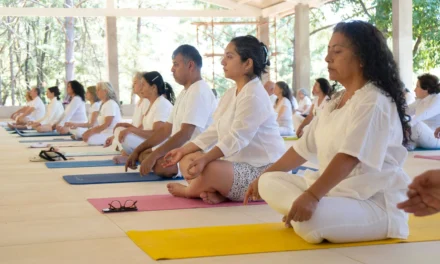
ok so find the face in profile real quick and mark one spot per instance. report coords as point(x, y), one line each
point(420, 93)
point(180, 69)
point(233, 66)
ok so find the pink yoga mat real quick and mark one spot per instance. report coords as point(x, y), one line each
point(427, 157)
point(162, 202)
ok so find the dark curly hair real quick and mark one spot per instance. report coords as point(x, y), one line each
point(430, 83)
point(249, 47)
point(78, 89)
point(379, 66)
point(325, 87)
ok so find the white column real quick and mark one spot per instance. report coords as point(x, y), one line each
point(263, 36)
point(402, 39)
point(112, 53)
point(302, 47)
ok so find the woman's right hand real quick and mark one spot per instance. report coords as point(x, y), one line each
point(299, 132)
point(252, 192)
point(173, 157)
point(437, 133)
point(109, 141)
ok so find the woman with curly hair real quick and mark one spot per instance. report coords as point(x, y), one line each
point(353, 195)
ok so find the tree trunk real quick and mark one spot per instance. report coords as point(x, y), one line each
point(43, 55)
point(26, 62)
point(70, 41)
point(1, 102)
point(11, 61)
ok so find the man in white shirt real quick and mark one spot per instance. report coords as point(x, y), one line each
point(36, 109)
point(191, 115)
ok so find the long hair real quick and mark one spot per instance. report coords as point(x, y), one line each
point(111, 94)
point(154, 78)
point(55, 91)
point(92, 91)
point(325, 87)
point(285, 92)
point(78, 89)
point(379, 66)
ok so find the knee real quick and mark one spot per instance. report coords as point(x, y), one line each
point(267, 185)
point(308, 232)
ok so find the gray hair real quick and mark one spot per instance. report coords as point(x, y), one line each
point(111, 94)
point(304, 92)
point(138, 75)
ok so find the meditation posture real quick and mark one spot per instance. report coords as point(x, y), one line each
point(244, 139)
point(109, 115)
point(304, 107)
point(20, 111)
point(322, 90)
point(161, 97)
point(284, 108)
point(191, 115)
point(425, 112)
point(78, 129)
point(53, 114)
point(76, 110)
point(35, 111)
point(357, 141)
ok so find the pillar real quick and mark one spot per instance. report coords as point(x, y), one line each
point(302, 47)
point(263, 36)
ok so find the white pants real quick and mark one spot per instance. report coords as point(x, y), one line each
point(98, 139)
point(297, 120)
point(131, 142)
point(336, 219)
point(423, 136)
point(78, 132)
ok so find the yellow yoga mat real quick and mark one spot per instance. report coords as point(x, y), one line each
point(290, 138)
point(256, 238)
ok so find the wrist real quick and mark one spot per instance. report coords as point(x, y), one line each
point(310, 193)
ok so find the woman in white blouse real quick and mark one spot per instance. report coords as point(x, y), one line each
point(78, 129)
point(425, 112)
point(109, 115)
point(76, 110)
point(160, 94)
point(53, 114)
point(322, 91)
point(358, 143)
point(284, 108)
point(244, 138)
point(304, 106)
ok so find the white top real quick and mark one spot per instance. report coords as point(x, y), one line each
point(286, 119)
point(194, 106)
point(273, 99)
point(245, 128)
point(366, 127)
point(304, 105)
point(53, 114)
point(317, 108)
point(426, 110)
point(94, 108)
point(39, 108)
point(159, 111)
point(139, 110)
point(109, 108)
point(294, 103)
point(410, 98)
point(75, 112)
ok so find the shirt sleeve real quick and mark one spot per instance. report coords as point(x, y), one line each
point(425, 111)
point(111, 109)
point(198, 107)
point(367, 135)
point(71, 109)
point(249, 115)
point(162, 112)
point(208, 138)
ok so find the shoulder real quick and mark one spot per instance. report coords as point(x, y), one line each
point(371, 96)
point(163, 102)
point(199, 87)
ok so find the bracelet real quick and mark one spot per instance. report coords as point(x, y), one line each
point(312, 194)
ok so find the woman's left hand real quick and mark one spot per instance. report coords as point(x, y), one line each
point(302, 209)
point(87, 135)
point(123, 134)
point(196, 167)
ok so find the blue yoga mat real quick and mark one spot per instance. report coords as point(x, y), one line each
point(114, 178)
point(81, 164)
point(424, 149)
point(48, 140)
point(295, 171)
point(43, 134)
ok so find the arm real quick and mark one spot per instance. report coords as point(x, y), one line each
point(307, 120)
point(70, 110)
point(28, 111)
point(146, 133)
point(107, 122)
point(427, 111)
point(176, 141)
point(162, 134)
point(281, 112)
point(289, 161)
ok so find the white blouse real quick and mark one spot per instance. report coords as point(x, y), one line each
point(317, 108)
point(426, 110)
point(94, 108)
point(54, 113)
point(245, 128)
point(366, 127)
point(39, 108)
point(75, 112)
point(286, 119)
point(109, 108)
point(159, 111)
point(304, 105)
point(139, 110)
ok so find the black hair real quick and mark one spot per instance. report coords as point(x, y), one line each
point(55, 91)
point(214, 91)
point(189, 53)
point(38, 90)
point(378, 65)
point(430, 83)
point(249, 47)
point(325, 86)
point(285, 91)
point(78, 89)
point(162, 87)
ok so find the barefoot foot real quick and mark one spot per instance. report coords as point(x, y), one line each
point(177, 189)
point(120, 159)
point(212, 197)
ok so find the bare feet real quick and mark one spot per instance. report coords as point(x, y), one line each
point(120, 159)
point(177, 189)
point(212, 197)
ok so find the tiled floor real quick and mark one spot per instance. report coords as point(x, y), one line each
point(45, 220)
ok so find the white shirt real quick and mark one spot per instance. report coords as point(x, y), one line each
point(294, 103)
point(317, 108)
point(304, 105)
point(109, 108)
point(39, 108)
point(286, 119)
point(245, 128)
point(159, 111)
point(194, 106)
point(366, 127)
point(53, 114)
point(410, 98)
point(426, 110)
point(139, 111)
point(75, 112)
point(273, 99)
point(94, 108)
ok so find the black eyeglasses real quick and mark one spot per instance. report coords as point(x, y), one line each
point(116, 206)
